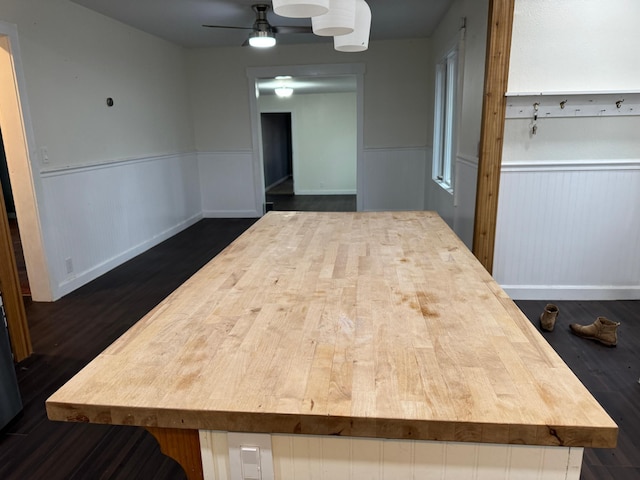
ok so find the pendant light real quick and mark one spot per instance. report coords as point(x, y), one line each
point(340, 20)
point(300, 8)
point(358, 40)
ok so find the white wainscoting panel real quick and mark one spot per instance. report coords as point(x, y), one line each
point(298, 457)
point(466, 179)
point(226, 182)
point(394, 179)
point(100, 216)
point(569, 230)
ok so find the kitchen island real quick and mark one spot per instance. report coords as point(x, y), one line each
point(362, 344)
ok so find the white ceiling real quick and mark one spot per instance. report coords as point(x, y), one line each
point(180, 21)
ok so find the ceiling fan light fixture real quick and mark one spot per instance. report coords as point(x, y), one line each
point(284, 92)
point(339, 20)
point(261, 39)
point(300, 8)
point(358, 40)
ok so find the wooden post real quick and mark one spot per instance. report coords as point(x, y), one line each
point(183, 446)
point(492, 132)
point(11, 293)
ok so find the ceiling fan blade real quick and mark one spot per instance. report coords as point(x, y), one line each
point(228, 26)
point(292, 29)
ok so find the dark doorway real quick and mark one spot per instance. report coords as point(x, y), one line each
point(277, 153)
point(6, 184)
point(13, 221)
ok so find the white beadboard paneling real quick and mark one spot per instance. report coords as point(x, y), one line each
point(346, 458)
point(428, 460)
point(215, 455)
point(102, 215)
point(569, 230)
point(495, 461)
point(394, 179)
point(226, 183)
point(364, 459)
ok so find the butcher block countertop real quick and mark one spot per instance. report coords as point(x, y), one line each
point(359, 324)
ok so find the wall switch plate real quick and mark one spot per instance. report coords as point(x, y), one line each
point(44, 154)
point(250, 456)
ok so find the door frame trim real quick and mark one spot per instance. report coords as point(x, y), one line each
point(255, 73)
point(20, 148)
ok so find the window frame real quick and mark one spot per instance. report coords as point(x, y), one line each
point(447, 95)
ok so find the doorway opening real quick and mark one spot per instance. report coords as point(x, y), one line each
point(277, 155)
point(326, 158)
point(10, 208)
point(19, 144)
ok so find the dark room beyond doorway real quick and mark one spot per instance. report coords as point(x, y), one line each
point(277, 152)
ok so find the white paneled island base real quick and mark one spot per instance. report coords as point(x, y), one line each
point(349, 458)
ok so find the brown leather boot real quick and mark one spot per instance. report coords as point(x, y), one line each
point(603, 330)
point(548, 317)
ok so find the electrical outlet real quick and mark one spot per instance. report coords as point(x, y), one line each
point(69, 264)
point(250, 456)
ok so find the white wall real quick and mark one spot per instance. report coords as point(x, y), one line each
point(575, 45)
point(458, 209)
point(568, 220)
point(394, 179)
point(73, 59)
point(395, 102)
point(323, 128)
point(395, 94)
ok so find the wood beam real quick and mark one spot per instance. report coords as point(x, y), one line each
point(492, 131)
point(11, 293)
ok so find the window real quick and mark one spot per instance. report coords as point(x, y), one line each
point(444, 125)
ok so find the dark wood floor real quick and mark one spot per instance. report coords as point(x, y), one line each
point(610, 374)
point(282, 198)
point(67, 334)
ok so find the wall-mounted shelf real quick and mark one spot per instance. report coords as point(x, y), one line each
point(572, 104)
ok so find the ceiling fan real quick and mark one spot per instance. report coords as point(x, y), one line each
point(263, 33)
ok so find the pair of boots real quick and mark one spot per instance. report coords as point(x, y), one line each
point(603, 330)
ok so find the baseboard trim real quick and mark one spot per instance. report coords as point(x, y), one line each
point(325, 192)
point(572, 292)
point(231, 214)
point(69, 285)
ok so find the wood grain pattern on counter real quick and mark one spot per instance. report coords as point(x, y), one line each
point(357, 324)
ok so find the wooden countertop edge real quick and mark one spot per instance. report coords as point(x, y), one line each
point(597, 436)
